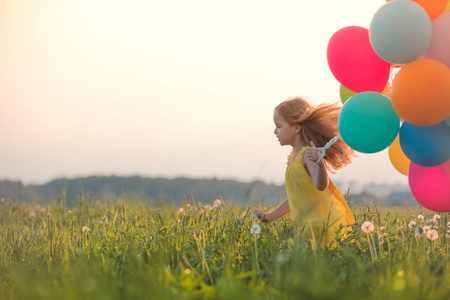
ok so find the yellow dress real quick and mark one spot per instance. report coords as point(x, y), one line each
point(318, 213)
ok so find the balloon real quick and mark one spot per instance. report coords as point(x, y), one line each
point(427, 146)
point(420, 92)
point(353, 61)
point(439, 48)
point(433, 7)
point(448, 6)
point(431, 186)
point(400, 31)
point(345, 93)
point(398, 158)
point(368, 123)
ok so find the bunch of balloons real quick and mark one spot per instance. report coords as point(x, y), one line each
point(412, 38)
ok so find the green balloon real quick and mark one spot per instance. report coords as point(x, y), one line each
point(368, 123)
point(345, 93)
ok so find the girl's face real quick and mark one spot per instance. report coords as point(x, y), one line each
point(285, 132)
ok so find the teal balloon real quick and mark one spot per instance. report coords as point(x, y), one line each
point(368, 123)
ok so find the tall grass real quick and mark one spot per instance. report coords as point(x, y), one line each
point(127, 250)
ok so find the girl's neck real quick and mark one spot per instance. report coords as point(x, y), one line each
point(299, 144)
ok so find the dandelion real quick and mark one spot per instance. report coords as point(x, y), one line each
point(427, 228)
point(436, 218)
point(411, 225)
point(399, 226)
point(421, 218)
point(32, 214)
point(367, 227)
point(208, 207)
point(432, 234)
point(85, 229)
point(69, 211)
point(383, 228)
point(178, 221)
point(255, 229)
point(105, 219)
point(181, 210)
point(419, 231)
point(217, 203)
point(3, 200)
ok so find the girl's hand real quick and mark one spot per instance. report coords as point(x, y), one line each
point(259, 213)
point(313, 154)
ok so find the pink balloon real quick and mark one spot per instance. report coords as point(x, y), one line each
point(431, 186)
point(353, 61)
point(439, 48)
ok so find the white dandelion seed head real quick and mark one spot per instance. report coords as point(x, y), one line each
point(367, 227)
point(85, 229)
point(420, 217)
point(255, 229)
point(383, 228)
point(217, 203)
point(432, 234)
point(105, 219)
point(437, 218)
point(419, 231)
point(32, 214)
point(208, 207)
point(69, 211)
point(427, 228)
point(181, 210)
point(412, 224)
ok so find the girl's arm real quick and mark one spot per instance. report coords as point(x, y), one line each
point(277, 213)
point(317, 171)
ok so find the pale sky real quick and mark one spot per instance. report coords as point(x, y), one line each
point(164, 88)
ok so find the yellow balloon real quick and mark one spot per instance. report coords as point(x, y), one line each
point(448, 6)
point(398, 158)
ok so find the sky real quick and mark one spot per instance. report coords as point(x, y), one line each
point(165, 88)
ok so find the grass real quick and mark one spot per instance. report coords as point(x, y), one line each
point(132, 251)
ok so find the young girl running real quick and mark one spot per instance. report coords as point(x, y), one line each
point(315, 203)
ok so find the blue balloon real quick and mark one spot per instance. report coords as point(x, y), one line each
point(400, 31)
point(368, 123)
point(427, 146)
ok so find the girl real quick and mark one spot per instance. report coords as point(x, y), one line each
point(315, 203)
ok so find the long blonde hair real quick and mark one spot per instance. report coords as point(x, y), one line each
point(318, 124)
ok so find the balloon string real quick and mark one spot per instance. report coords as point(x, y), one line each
point(327, 145)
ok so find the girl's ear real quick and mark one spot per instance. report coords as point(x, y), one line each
point(297, 128)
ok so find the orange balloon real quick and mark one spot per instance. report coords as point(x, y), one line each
point(420, 92)
point(398, 158)
point(433, 7)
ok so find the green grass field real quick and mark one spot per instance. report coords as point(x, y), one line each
point(127, 250)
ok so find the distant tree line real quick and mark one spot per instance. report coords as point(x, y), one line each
point(164, 191)
point(153, 191)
